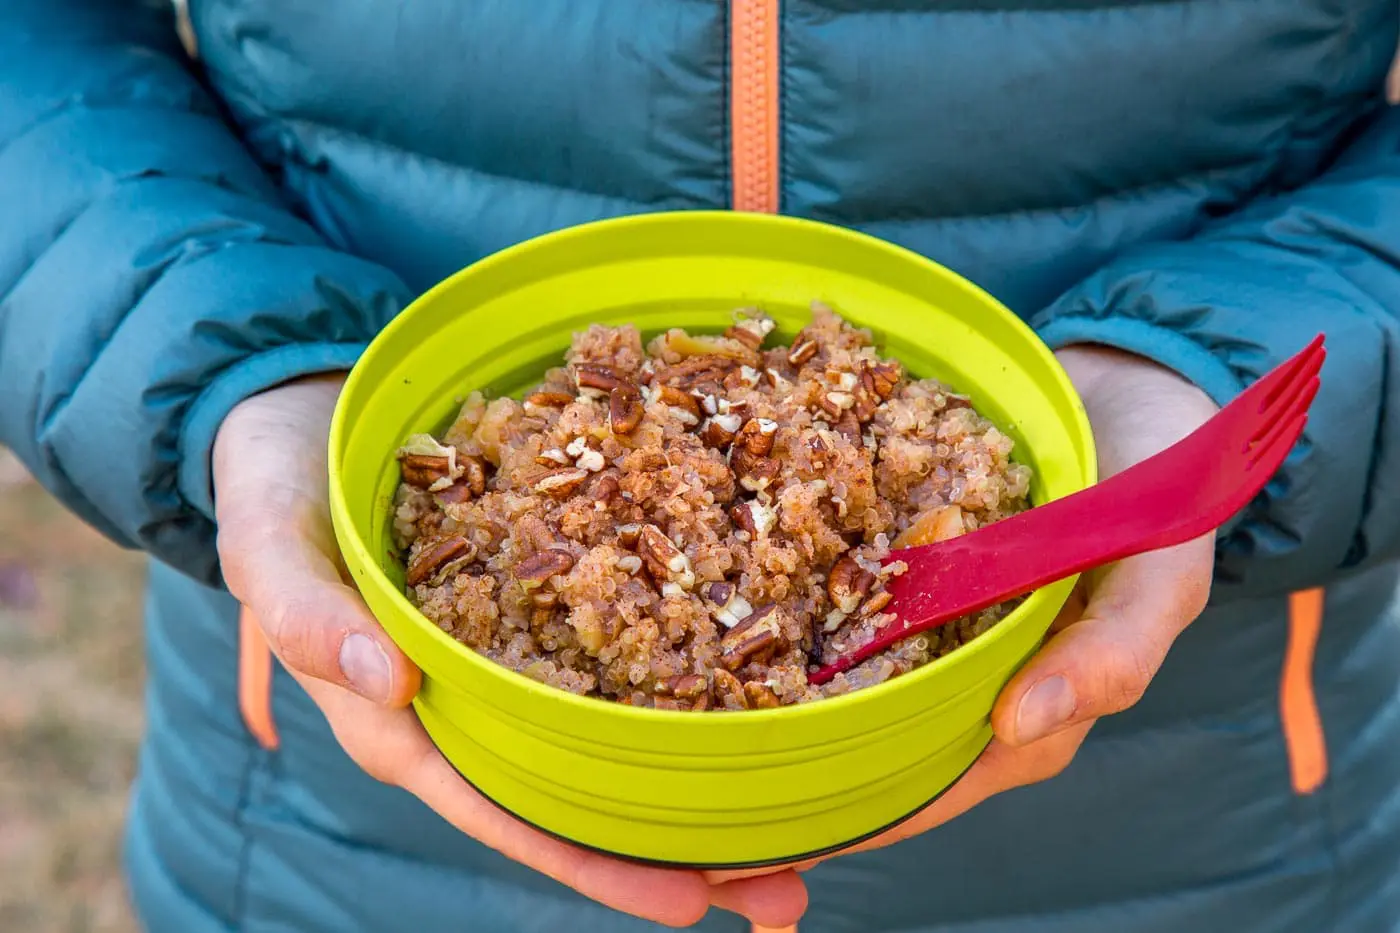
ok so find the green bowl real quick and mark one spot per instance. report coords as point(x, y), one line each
point(713, 789)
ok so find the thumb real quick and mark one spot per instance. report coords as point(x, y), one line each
point(314, 622)
point(1102, 663)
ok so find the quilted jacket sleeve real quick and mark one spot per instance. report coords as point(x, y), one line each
point(149, 278)
point(1250, 291)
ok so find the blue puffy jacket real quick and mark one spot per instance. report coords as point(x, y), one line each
point(1206, 182)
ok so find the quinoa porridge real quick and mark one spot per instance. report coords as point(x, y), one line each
point(691, 524)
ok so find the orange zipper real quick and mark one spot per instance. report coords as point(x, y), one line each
point(1302, 722)
point(753, 104)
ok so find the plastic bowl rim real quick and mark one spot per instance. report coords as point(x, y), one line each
point(479, 664)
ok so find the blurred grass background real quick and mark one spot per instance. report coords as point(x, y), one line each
point(70, 714)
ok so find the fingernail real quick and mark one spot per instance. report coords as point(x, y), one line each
point(1046, 708)
point(366, 667)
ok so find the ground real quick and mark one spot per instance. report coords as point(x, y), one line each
point(70, 714)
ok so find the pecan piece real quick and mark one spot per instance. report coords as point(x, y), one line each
point(455, 494)
point(561, 483)
point(727, 606)
point(625, 408)
point(755, 518)
point(719, 432)
point(553, 457)
point(664, 561)
point(424, 470)
point(760, 696)
point(757, 436)
point(751, 332)
point(755, 473)
point(474, 474)
point(596, 377)
point(680, 401)
point(629, 535)
point(848, 584)
point(604, 490)
point(881, 379)
point(876, 603)
point(544, 400)
point(437, 556)
point(540, 566)
point(756, 639)
point(836, 402)
point(687, 686)
point(802, 350)
point(729, 691)
point(953, 401)
point(695, 371)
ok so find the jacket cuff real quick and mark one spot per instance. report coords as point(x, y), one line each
point(244, 379)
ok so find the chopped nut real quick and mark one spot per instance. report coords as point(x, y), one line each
point(719, 593)
point(876, 603)
point(755, 518)
point(629, 535)
point(597, 377)
point(757, 436)
point(755, 473)
point(834, 403)
point(604, 491)
point(696, 371)
point(729, 690)
point(436, 556)
point(540, 566)
point(760, 696)
point(591, 460)
point(776, 379)
point(561, 483)
point(675, 398)
point(474, 473)
point(751, 332)
point(537, 403)
point(425, 471)
point(687, 686)
point(552, 457)
point(727, 606)
point(663, 559)
point(544, 599)
point(848, 584)
point(748, 377)
point(881, 378)
point(625, 409)
point(756, 638)
point(802, 351)
point(846, 382)
point(954, 401)
point(629, 564)
point(719, 431)
point(455, 494)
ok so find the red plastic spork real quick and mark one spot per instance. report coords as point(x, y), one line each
point(1181, 493)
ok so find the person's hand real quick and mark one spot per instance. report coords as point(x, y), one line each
point(1113, 634)
point(280, 559)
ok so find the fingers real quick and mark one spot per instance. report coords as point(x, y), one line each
point(392, 746)
point(278, 552)
point(774, 901)
point(1102, 663)
point(314, 623)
